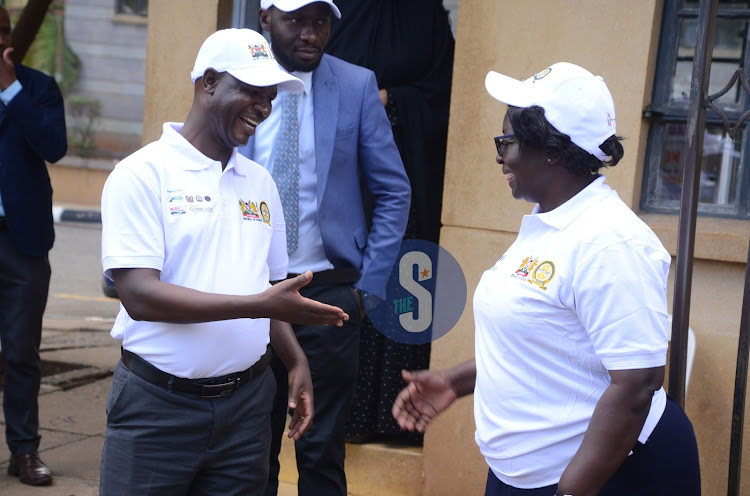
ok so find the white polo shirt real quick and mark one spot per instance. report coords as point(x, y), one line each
point(580, 292)
point(171, 208)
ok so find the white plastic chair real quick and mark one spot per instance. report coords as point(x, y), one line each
point(690, 353)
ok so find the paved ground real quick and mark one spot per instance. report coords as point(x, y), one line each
point(78, 357)
point(72, 418)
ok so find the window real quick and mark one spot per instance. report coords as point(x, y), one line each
point(132, 7)
point(725, 167)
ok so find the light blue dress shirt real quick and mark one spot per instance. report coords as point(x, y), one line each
point(313, 256)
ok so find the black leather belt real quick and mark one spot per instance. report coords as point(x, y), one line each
point(213, 387)
point(346, 275)
point(3, 223)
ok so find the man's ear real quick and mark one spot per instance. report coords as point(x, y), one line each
point(209, 80)
point(264, 16)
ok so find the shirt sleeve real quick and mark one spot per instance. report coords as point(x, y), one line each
point(278, 260)
point(132, 224)
point(7, 95)
point(621, 300)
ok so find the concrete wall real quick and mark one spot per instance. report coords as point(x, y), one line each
point(112, 53)
point(169, 91)
point(78, 182)
point(617, 40)
point(481, 218)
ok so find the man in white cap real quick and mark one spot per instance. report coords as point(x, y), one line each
point(192, 235)
point(330, 150)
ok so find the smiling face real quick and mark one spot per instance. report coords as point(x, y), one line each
point(298, 38)
point(527, 172)
point(235, 108)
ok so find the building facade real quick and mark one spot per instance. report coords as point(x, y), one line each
point(642, 49)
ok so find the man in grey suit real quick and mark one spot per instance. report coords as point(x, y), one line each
point(321, 148)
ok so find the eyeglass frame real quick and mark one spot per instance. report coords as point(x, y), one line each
point(500, 142)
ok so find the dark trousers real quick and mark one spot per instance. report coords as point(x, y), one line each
point(667, 464)
point(167, 443)
point(24, 283)
point(333, 354)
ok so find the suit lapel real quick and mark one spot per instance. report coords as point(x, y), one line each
point(325, 111)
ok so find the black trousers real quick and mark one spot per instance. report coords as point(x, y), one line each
point(333, 355)
point(24, 283)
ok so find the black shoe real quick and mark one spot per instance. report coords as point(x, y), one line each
point(30, 469)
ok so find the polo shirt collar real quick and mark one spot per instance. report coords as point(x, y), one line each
point(196, 160)
point(566, 213)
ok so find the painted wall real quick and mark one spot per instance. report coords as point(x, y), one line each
point(481, 218)
point(112, 53)
point(617, 40)
point(169, 91)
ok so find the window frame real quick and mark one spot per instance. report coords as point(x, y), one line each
point(142, 7)
point(662, 111)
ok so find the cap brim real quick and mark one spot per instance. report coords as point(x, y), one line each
point(291, 6)
point(507, 90)
point(269, 77)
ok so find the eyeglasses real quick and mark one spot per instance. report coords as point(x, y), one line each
point(502, 141)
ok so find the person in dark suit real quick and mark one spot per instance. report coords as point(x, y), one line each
point(409, 47)
point(319, 147)
point(32, 132)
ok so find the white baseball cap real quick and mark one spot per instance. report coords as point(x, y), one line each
point(292, 5)
point(575, 102)
point(246, 55)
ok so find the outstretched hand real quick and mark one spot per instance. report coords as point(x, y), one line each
point(426, 395)
point(285, 303)
point(7, 69)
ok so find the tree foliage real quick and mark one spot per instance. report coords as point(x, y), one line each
point(38, 40)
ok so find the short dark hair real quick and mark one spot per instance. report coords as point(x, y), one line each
point(534, 132)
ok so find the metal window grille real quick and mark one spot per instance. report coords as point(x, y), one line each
point(701, 98)
point(724, 183)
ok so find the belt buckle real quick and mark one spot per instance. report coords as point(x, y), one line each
point(218, 390)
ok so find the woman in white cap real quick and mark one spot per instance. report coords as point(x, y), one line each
point(571, 322)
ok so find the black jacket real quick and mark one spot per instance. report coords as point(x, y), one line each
point(32, 132)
